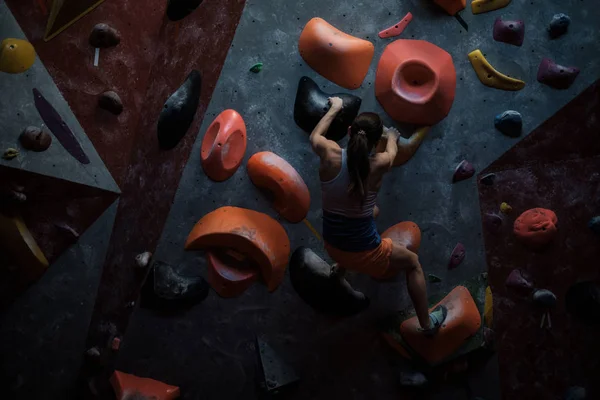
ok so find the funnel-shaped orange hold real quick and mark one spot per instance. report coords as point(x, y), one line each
point(339, 57)
point(126, 386)
point(252, 234)
point(228, 276)
point(462, 322)
point(223, 146)
point(406, 234)
point(271, 172)
point(415, 82)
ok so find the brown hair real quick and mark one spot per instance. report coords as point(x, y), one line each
point(365, 132)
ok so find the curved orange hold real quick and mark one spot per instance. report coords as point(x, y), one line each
point(451, 6)
point(339, 57)
point(415, 82)
point(405, 233)
point(250, 233)
point(462, 322)
point(536, 227)
point(270, 172)
point(223, 146)
point(228, 276)
point(127, 385)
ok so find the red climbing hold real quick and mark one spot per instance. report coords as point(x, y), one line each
point(397, 29)
point(536, 227)
point(457, 256)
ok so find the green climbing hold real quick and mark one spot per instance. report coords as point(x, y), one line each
point(256, 68)
point(433, 278)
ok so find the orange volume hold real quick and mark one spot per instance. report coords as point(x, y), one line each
point(127, 386)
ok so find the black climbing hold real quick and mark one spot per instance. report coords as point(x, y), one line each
point(275, 375)
point(594, 224)
point(166, 289)
point(488, 179)
point(433, 278)
point(510, 123)
point(111, 102)
point(559, 25)
point(492, 222)
point(330, 294)
point(104, 36)
point(544, 298)
point(576, 393)
point(583, 302)
point(178, 112)
point(179, 9)
point(312, 104)
point(555, 75)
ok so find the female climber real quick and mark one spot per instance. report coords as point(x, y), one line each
point(350, 181)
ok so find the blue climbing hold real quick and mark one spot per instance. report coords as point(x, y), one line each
point(559, 25)
point(594, 224)
point(509, 123)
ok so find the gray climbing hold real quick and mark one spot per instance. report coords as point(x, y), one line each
point(111, 102)
point(488, 179)
point(576, 393)
point(463, 171)
point(594, 224)
point(516, 280)
point(510, 123)
point(559, 25)
point(544, 298)
point(412, 379)
point(275, 374)
point(583, 302)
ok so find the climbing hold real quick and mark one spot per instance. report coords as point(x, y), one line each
point(536, 227)
point(35, 139)
point(66, 229)
point(407, 234)
point(256, 68)
point(230, 274)
point(115, 344)
point(433, 278)
point(462, 322)
point(594, 224)
point(559, 25)
point(510, 123)
point(451, 6)
point(104, 36)
point(489, 76)
point(556, 76)
point(272, 173)
point(143, 260)
point(276, 375)
point(10, 197)
point(505, 208)
point(463, 171)
point(516, 280)
point(489, 337)
point(488, 179)
point(457, 256)
point(65, 13)
point(110, 101)
point(488, 307)
point(327, 293)
point(179, 9)
point(511, 32)
point(493, 222)
point(16, 56)
point(252, 234)
point(412, 379)
point(397, 29)
point(129, 387)
point(415, 82)
point(482, 6)
point(312, 104)
point(92, 354)
point(10, 153)
point(178, 112)
point(224, 146)
point(17, 241)
point(544, 298)
point(339, 57)
point(583, 302)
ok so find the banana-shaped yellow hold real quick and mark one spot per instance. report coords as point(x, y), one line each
point(16, 240)
point(16, 56)
point(489, 76)
point(482, 6)
point(488, 308)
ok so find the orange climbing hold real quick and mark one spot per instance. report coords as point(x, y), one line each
point(229, 274)
point(462, 322)
point(397, 29)
point(254, 235)
point(223, 146)
point(415, 82)
point(127, 386)
point(406, 234)
point(536, 227)
point(271, 172)
point(451, 6)
point(339, 57)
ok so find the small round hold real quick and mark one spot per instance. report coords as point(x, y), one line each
point(505, 208)
point(559, 25)
point(104, 36)
point(544, 298)
point(510, 123)
point(110, 101)
point(35, 139)
point(142, 260)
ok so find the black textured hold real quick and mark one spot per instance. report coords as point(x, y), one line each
point(111, 102)
point(311, 278)
point(276, 375)
point(488, 179)
point(178, 112)
point(544, 298)
point(583, 302)
point(179, 9)
point(559, 25)
point(312, 104)
point(594, 224)
point(104, 36)
point(510, 123)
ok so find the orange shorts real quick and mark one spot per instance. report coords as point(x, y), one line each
point(371, 262)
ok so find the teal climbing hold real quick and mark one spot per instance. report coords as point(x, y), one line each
point(510, 123)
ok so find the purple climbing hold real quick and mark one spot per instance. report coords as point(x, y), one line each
point(511, 32)
point(516, 280)
point(544, 298)
point(463, 171)
point(493, 222)
point(559, 25)
point(458, 255)
point(556, 76)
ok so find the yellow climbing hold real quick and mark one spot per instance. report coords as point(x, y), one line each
point(17, 241)
point(482, 6)
point(16, 56)
point(505, 208)
point(489, 76)
point(488, 308)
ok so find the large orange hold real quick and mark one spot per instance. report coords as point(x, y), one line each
point(270, 172)
point(536, 227)
point(254, 235)
point(462, 322)
point(451, 6)
point(223, 146)
point(127, 385)
point(415, 82)
point(339, 57)
point(228, 276)
point(406, 234)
